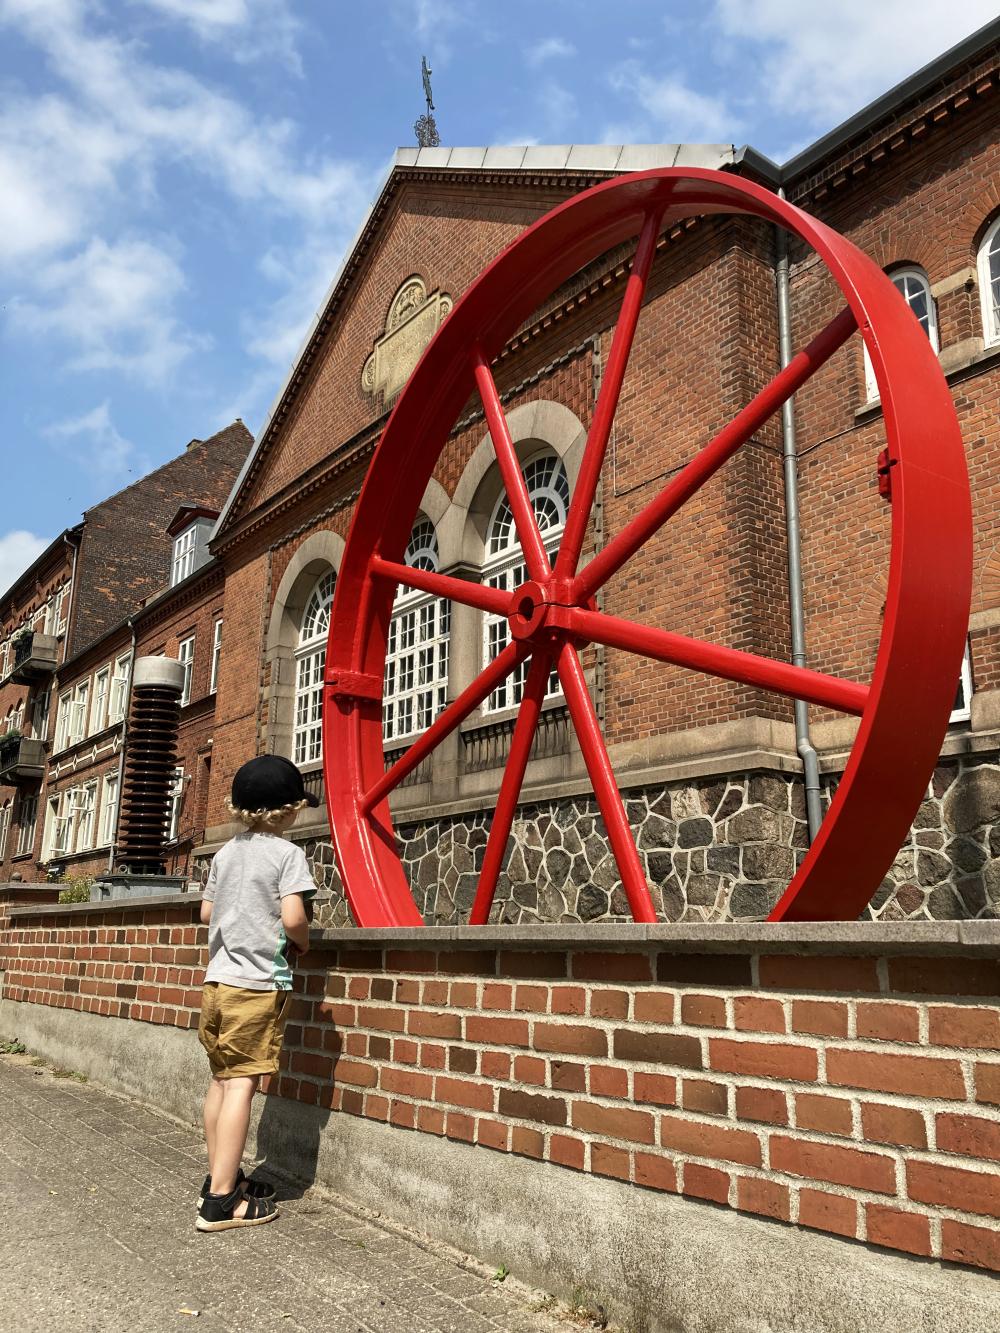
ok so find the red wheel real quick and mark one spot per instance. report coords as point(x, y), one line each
point(904, 710)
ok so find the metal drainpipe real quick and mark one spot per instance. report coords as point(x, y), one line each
point(803, 744)
point(121, 755)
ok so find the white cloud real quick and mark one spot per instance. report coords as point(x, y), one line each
point(17, 551)
point(74, 163)
point(549, 48)
point(247, 29)
point(94, 442)
point(827, 61)
point(113, 304)
point(667, 110)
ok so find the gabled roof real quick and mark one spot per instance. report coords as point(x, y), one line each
point(521, 164)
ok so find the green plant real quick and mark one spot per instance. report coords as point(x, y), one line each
point(77, 890)
point(12, 1047)
point(501, 1273)
point(9, 737)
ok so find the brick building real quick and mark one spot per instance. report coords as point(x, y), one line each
point(709, 767)
point(135, 577)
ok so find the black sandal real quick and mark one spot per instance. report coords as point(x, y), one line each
point(218, 1211)
point(253, 1189)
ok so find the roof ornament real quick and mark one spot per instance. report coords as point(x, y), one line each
point(425, 126)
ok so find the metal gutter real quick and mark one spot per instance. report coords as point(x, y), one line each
point(796, 610)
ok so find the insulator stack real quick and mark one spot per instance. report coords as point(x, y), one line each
point(150, 757)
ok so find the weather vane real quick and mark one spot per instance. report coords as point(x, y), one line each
point(425, 126)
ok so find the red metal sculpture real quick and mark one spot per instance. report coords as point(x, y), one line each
point(904, 710)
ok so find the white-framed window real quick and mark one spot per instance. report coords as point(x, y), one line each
point(963, 695)
point(989, 283)
point(62, 615)
point(78, 712)
point(185, 655)
point(213, 683)
point(57, 825)
point(4, 827)
point(63, 721)
point(548, 488)
point(40, 713)
point(85, 800)
point(183, 555)
point(176, 801)
point(4, 649)
point(15, 718)
point(415, 686)
point(99, 703)
point(915, 289)
point(109, 809)
point(307, 733)
point(119, 688)
point(27, 819)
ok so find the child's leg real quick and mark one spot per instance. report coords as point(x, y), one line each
point(213, 1105)
point(231, 1125)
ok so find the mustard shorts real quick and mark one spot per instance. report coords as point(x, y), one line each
point(242, 1030)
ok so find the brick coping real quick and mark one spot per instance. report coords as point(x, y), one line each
point(800, 937)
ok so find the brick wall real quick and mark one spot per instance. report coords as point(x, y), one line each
point(853, 1093)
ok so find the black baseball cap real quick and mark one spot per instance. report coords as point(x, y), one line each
point(269, 782)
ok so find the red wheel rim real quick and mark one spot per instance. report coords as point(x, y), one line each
point(904, 710)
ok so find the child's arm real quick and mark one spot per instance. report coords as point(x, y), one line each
point(295, 921)
point(206, 911)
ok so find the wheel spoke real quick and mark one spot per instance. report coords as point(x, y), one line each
point(535, 556)
point(607, 402)
point(510, 787)
point(609, 799)
point(443, 585)
point(797, 682)
point(456, 712)
point(708, 460)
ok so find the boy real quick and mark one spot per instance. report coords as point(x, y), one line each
point(255, 905)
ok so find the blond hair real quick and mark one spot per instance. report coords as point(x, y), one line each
point(265, 819)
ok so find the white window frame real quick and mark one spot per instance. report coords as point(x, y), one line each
point(185, 655)
point(989, 283)
point(907, 281)
point(415, 681)
point(26, 828)
point(307, 718)
point(63, 721)
point(118, 694)
point(57, 824)
point(962, 711)
point(213, 683)
point(176, 801)
point(40, 713)
point(99, 702)
point(109, 810)
point(504, 565)
point(78, 713)
point(4, 827)
point(84, 810)
point(182, 563)
point(63, 614)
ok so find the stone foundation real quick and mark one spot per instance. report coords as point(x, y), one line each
point(714, 850)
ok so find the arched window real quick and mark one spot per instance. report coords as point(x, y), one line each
point(916, 291)
point(989, 283)
point(307, 742)
point(416, 659)
point(548, 487)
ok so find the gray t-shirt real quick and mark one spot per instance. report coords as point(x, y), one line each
point(250, 875)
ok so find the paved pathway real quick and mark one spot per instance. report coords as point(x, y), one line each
point(97, 1232)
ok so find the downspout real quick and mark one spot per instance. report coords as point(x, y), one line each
point(803, 744)
point(121, 754)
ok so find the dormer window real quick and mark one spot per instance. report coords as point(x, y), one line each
point(191, 531)
point(184, 550)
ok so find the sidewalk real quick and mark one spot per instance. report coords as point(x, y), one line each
point(97, 1204)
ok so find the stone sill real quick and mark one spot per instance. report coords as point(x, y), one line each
point(798, 937)
point(801, 937)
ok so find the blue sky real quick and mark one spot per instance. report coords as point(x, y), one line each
point(179, 178)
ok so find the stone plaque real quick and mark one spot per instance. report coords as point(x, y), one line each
point(413, 319)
